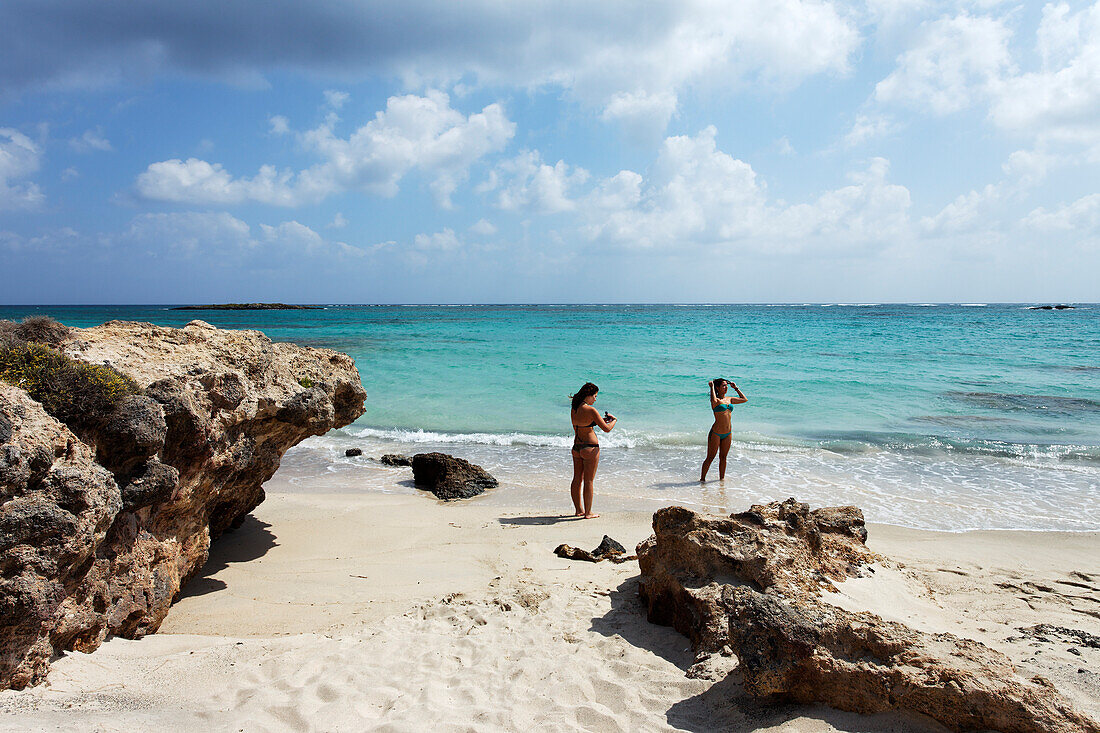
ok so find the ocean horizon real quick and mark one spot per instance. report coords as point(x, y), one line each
point(938, 416)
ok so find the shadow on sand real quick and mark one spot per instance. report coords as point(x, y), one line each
point(533, 521)
point(250, 541)
point(726, 706)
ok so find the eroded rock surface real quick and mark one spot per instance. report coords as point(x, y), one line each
point(99, 532)
point(752, 581)
point(448, 477)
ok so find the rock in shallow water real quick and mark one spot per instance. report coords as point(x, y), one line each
point(84, 558)
point(448, 477)
point(752, 582)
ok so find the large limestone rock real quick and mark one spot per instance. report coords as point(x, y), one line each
point(752, 581)
point(122, 516)
point(56, 505)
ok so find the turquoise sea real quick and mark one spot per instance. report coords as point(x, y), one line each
point(941, 416)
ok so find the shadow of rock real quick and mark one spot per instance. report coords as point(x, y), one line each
point(725, 705)
point(250, 541)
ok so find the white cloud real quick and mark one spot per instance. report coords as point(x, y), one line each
point(188, 232)
point(967, 212)
point(484, 227)
point(527, 183)
point(1083, 215)
point(783, 145)
point(964, 61)
point(279, 125)
point(1059, 104)
point(335, 98)
point(952, 60)
point(338, 221)
point(19, 158)
point(195, 181)
point(193, 233)
point(422, 133)
point(869, 127)
point(626, 60)
point(700, 195)
point(91, 140)
point(643, 114)
point(443, 241)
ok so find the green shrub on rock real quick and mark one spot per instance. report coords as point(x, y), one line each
point(75, 392)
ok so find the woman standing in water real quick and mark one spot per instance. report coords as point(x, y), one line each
point(586, 447)
point(718, 439)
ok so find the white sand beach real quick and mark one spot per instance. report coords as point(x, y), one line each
point(342, 612)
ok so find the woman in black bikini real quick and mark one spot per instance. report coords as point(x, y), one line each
point(586, 448)
point(719, 436)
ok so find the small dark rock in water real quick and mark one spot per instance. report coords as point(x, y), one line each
point(575, 553)
point(353, 452)
point(395, 459)
point(448, 477)
point(608, 547)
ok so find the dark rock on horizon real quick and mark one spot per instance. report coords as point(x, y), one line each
point(100, 531)
point(395, 459)
point(1051, 307)
point(448, 477)
point(752, 582)
point(352, 452)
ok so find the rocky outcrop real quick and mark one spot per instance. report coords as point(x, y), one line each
point(448, 477)
point(98, 532)
point(752, 582)
point(394, 459)
point(56, 506)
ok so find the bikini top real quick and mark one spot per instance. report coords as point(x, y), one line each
point(721, 408)
point(578, 427)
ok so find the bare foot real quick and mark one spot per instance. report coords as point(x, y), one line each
point(590, 515)
point(578, 514)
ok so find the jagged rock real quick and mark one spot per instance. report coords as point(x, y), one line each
point(751, 582)
point(82, 557)
point(134, 431)
point(575, 553)
point(57, 506)
point(395, 459)
point(608, 548)
point(448, 477)
point(352, 452)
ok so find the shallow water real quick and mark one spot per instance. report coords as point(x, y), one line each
point(945, 416)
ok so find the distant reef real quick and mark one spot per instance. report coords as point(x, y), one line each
point(1050, 307)
point(248, 307)
point(108, 505)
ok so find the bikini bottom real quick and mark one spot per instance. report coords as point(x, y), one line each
point(722, 436)
point(581, 446)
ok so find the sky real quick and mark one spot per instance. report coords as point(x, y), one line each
point(408, 151)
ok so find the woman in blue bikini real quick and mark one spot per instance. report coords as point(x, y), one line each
point(718, 439)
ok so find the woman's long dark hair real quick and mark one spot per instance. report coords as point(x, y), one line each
point(587, 390)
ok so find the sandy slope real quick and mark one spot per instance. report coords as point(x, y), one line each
point(395, 612)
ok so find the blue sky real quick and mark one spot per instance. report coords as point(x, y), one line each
point(686, 151)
